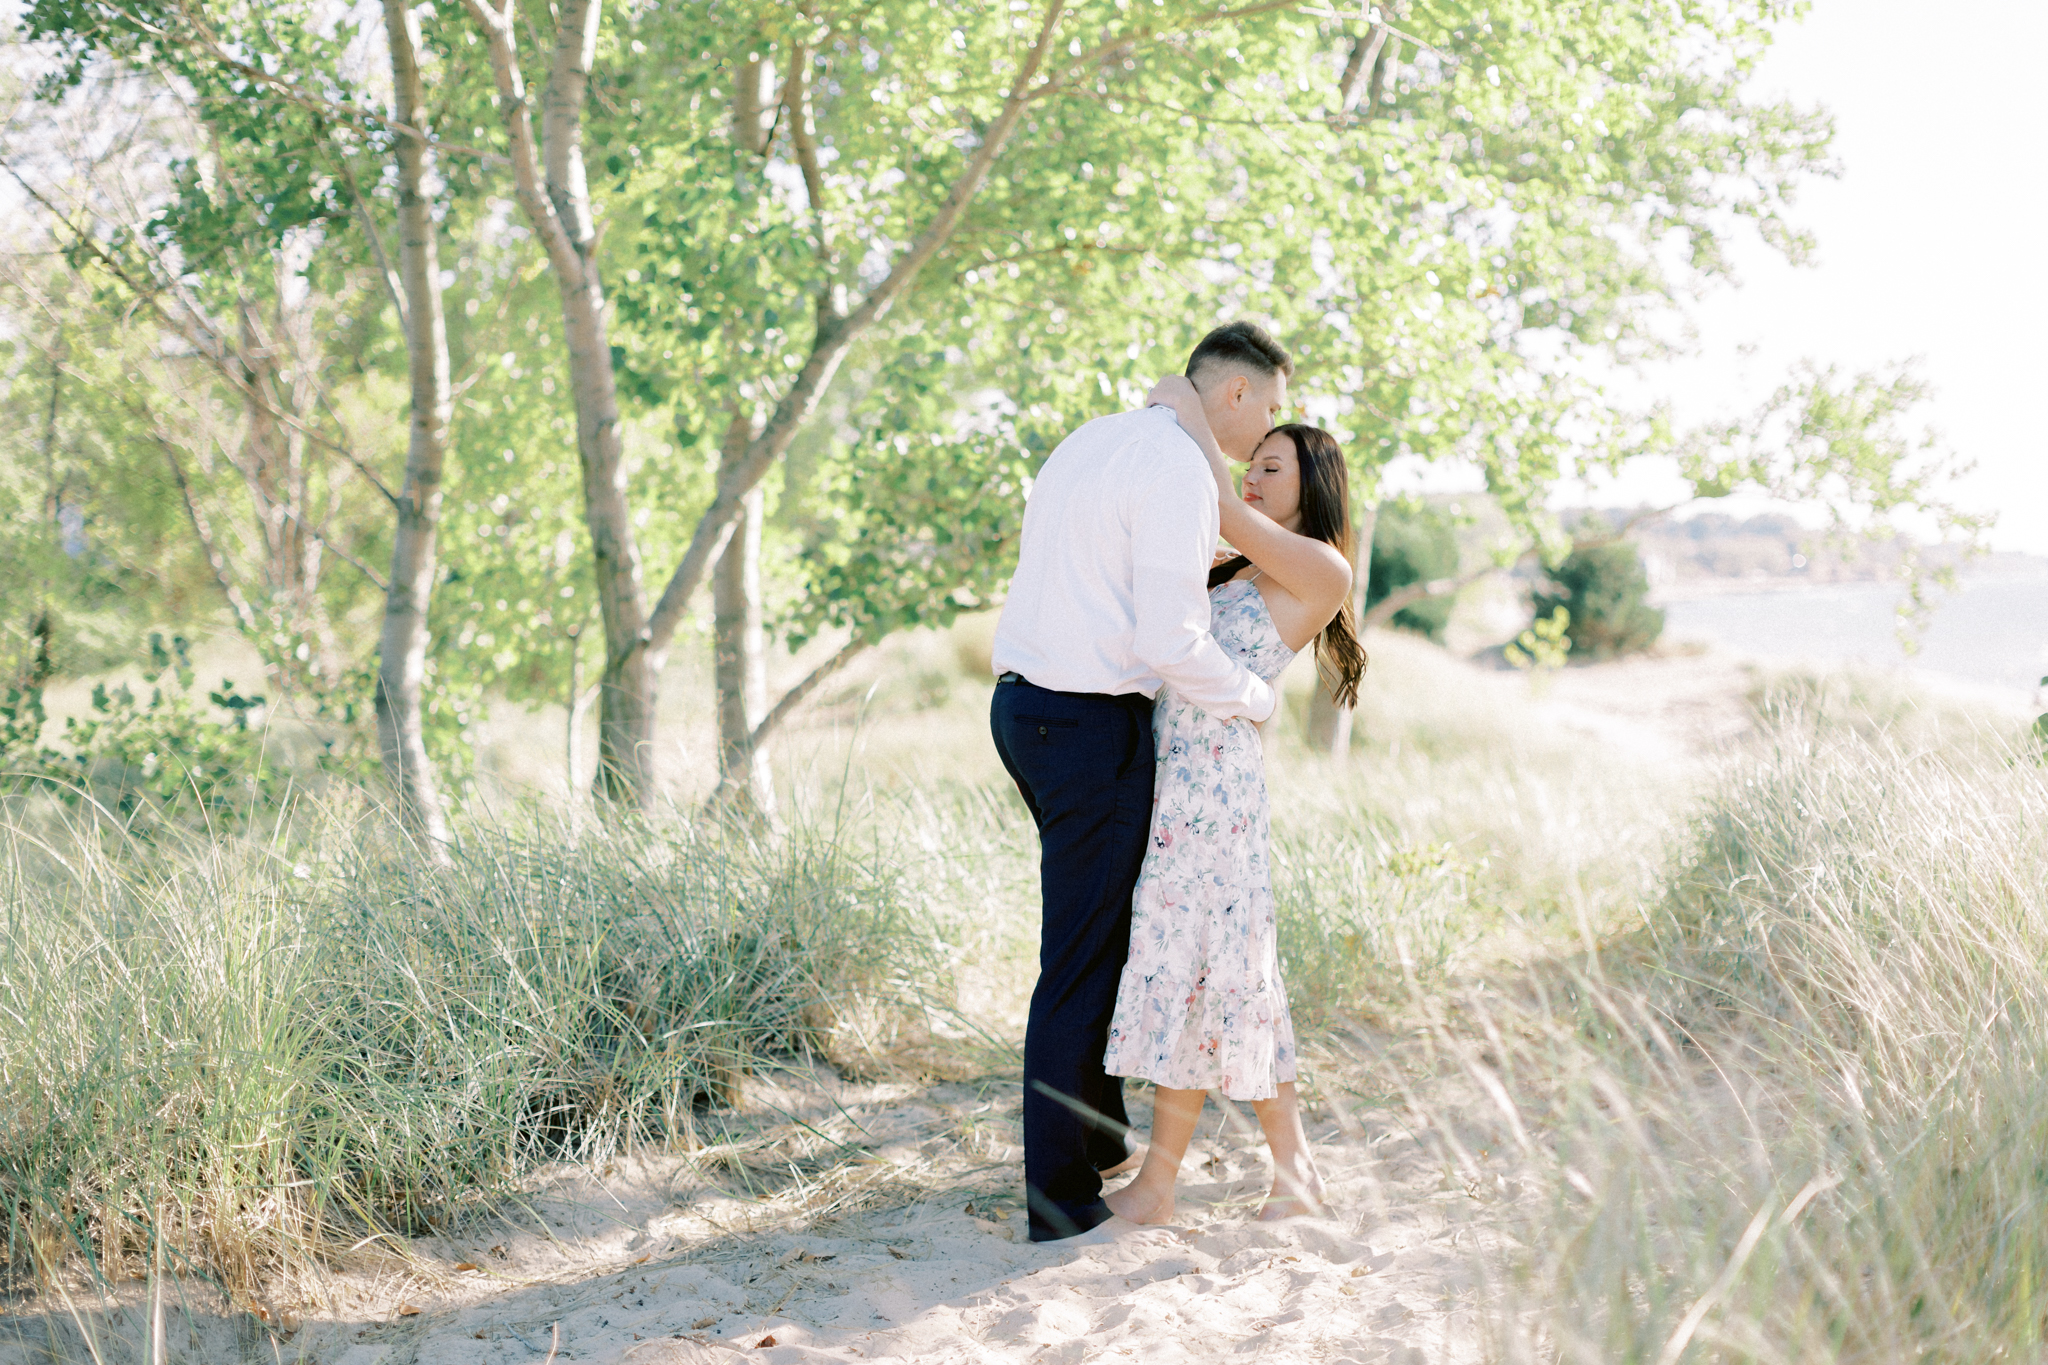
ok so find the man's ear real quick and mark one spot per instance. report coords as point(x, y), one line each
point(1236, 389)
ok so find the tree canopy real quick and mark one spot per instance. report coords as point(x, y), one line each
point(876, 259)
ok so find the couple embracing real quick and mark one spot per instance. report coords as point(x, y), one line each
point(1134, 665)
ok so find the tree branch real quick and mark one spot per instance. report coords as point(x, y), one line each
point(1080, 66)
point(1389, 606)
point(216, 560)
point(355, 194)
point(517, 112)
point(562, 119)
point(803, 137)
point(1363, 13)
point(1628, 523)
point(833, 341)
point(324, 543)
point(1365, 56)
point(1376, 92)
point(796, 696)
point(346, 448)
point(200, 334)
point(782, 711)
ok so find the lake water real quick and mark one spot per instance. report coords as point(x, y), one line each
point(1989, 631)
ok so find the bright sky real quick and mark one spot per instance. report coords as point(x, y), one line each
point(1929, 245)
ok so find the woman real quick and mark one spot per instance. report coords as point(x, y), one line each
point(1200, 1005)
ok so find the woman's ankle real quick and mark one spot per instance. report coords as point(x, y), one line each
point(1160, 1174)
point(1142, 1203)
point(1298, 1180)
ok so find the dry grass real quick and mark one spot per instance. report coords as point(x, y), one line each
point(248, 1058)
point(1798, 1113)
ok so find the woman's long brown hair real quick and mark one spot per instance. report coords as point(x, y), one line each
point(1325, 516)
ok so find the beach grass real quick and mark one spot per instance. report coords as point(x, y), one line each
point(1798, 1114)
point(247, 1057)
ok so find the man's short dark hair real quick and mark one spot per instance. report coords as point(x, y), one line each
point(1242, 344)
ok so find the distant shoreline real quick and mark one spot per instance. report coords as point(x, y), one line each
point(1993, 629)
point(2001, 568)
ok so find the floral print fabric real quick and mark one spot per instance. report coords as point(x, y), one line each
point(1200, 1005)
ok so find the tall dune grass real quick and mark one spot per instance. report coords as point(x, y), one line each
point(1802, 1114)
point(247, 1058)
point(1464, 831)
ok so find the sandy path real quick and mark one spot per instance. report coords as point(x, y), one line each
point(951, 1278)
point(893, 1232)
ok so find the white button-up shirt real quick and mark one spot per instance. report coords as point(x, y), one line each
point(1111, 589)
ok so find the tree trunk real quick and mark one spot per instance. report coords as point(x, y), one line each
point(625, 723)
point(740, 668)
point(554, 193)
point(1329, 725)
point(753, 103)
point(625, 716)
point(402, 645)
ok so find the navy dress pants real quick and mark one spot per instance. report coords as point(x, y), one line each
point(1084, 764)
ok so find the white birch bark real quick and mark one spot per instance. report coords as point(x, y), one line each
point(402, 643)
point(554, 193)
point(740, 667)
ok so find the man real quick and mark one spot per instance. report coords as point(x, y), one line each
point(1110, 599)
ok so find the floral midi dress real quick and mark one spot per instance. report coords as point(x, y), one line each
point(1200, 1005)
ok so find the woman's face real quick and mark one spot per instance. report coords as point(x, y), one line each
point(1272, 483)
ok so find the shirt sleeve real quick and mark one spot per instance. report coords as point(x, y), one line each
point(1173, 534)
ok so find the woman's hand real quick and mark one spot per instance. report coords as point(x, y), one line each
point(1178, 392)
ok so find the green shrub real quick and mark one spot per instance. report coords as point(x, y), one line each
point(169, 755)
point(1413, 542)
point(1603, 587)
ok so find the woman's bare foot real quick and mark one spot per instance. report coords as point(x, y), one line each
point(1297, 1196)
point(1141, 1202)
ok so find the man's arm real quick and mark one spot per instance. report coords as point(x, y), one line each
point(1173, 532)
